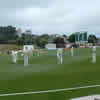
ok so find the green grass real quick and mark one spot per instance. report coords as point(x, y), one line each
point(44, 73)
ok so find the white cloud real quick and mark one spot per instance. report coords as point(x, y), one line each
point(52, 15)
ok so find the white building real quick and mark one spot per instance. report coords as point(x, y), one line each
point(50, 46)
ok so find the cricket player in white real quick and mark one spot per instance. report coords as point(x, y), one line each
point(38, 51)
point(59, 55)
point(30, 52)
point(94, 54)
point(14, 56)
point(72, 51)
point(26, 56)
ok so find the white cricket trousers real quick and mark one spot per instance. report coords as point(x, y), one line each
point(60, 59)
point(25, 60)
point(14, 59)
point(94, 59)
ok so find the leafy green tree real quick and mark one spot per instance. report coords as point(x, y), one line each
point(72, 38)
point(92, 39)
point(7, 33)
point(59, 41)
point(40, 41)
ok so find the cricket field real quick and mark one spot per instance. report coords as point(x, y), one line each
point(44, 79)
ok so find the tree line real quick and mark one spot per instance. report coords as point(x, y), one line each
point(8, 36)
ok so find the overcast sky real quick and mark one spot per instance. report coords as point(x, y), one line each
point(53, 16)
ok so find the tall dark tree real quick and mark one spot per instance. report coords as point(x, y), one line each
point(7, 33)
point(40, 41)
point(72, 38)
point(92, 39)
point(60, 43)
